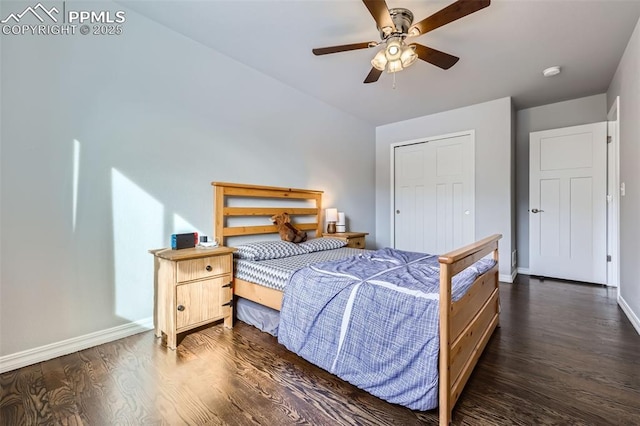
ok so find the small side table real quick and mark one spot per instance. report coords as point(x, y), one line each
point(353, 239)
point(192, 288)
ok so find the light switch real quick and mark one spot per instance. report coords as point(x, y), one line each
point(622, 189)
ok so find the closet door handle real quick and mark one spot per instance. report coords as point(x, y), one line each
point(537, 211)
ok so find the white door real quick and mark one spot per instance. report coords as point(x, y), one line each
point(567, 203)
point(434, 190)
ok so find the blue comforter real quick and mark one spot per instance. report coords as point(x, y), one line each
point(372, 320)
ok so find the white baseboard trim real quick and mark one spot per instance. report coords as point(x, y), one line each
point(635, 321)
point(524, 271)
point(508, 278)
point(75, 344)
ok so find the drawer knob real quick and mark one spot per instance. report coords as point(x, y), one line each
point(181, 308)
point(208, 268)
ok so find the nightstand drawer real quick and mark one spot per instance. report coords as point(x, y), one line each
point(193, 269)
point(356, 242)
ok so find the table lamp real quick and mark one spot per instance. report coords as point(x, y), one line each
point(332, 218)
point(341, 224)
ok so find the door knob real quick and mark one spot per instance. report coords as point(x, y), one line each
point(397, 211)
point(536, 211)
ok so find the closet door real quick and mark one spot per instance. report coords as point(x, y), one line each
point(434, 194)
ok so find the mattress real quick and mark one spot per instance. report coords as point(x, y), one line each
point(275, 273)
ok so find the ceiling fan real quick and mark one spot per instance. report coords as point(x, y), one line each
point(395, 26)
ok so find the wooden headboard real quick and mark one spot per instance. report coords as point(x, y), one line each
point(223, 192)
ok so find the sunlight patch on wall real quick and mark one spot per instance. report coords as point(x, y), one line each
point(138, 223)
point(182, 226)
point(76, 178)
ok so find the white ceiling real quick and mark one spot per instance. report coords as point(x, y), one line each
point(502, 48)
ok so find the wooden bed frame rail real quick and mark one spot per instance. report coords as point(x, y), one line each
point(465, 325)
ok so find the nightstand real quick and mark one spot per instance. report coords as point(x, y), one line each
point(192, 288)
point(353, 239)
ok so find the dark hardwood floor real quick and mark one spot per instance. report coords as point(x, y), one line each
point(565, 354)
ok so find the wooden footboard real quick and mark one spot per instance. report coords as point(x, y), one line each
point(467, 324)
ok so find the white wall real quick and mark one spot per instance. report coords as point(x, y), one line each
point(591, 109)
point(626, 84)
point(492, 123)
point(156, 117)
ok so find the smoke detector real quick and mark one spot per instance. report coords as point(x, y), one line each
point(551, 71)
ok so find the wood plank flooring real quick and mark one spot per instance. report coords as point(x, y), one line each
point(565, 354)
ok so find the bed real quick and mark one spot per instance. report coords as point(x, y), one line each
point(466, 321)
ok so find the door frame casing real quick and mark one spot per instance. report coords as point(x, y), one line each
point(392, 227)
point(613, 191)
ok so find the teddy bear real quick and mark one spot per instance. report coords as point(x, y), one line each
point(287, 231)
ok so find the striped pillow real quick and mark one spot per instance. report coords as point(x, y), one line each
point(265, 250)
point(321, 244)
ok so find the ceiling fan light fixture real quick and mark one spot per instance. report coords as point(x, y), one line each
point(413, 32)
point(394, 49)
point(379, 61)
point(394, 66)
point(408, 56)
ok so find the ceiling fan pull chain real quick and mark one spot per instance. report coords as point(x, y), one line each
point(394, 80)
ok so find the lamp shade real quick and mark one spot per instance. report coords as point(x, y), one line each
point(332, 215)
point(408, 56)
point(341, 220)
point(394, 66)
point(394, 49)
point(379, 61)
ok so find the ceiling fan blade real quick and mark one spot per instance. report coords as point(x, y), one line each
point(343, 48)
point(435, 57)
point(373, 76)
point(454, 11)
point(380, 12)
